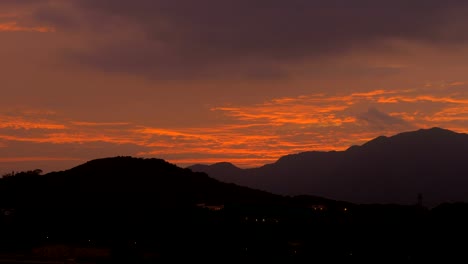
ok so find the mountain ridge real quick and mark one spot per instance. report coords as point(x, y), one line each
point(422, 161)
point(129, 182)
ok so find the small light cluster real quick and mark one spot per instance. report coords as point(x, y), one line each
point(318, 207)
point(261, 220)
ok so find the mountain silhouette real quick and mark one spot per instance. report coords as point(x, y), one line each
point(124, 182)
point(395, 169)
point(108, 186)
point(224, 171)
point(120, 199)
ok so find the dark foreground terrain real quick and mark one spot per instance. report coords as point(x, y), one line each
point(379, 233)
point(127, 210)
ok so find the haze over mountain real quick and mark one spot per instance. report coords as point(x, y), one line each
point(393, 169)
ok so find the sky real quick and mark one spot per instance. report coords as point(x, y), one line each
point(242, 81)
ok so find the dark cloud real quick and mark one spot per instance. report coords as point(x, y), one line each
point(54, 16)
point(382, 121)
point(203, 38)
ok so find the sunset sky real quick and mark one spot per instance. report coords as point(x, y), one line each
point(243, 81)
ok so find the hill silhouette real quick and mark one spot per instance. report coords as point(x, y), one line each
point(223, 171)
point(111, 202)
point(124, 182)
point(395, 169)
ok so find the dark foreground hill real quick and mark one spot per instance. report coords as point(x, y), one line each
point(124, 182)
point(431, 162)
point(116, 200)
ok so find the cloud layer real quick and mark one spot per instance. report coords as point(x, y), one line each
point(249, 135)
point(182, 39)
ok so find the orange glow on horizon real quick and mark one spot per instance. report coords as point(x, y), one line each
point(250, 135)
point(23, 159)
point(14, 27)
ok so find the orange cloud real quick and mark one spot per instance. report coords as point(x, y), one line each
point(372, 94)
point(252, 135)
point(22, 123)
point(422, 98)
point(317, 110)
point(99, 124)
point(23, 159)
point(171, 133)
point(15, 27)
point(456, 84)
